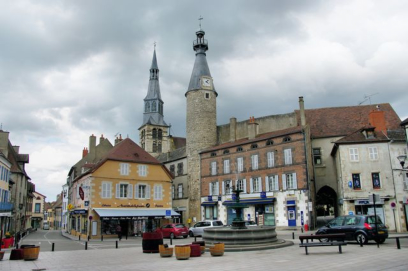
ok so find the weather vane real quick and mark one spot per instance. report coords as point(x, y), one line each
point(200, 18)
point(154, 43)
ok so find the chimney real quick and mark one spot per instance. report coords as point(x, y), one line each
point(118, 139)
point(252, 128)
point(302, 111)
point(233, 129)
point(377, 119)
point(4, 139)
point(92, 144)
point(16, 149)
point(84, 152)
point(101, 139)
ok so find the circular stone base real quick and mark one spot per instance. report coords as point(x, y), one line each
point(252, 238)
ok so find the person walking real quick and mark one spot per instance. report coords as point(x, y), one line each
point(119, 231)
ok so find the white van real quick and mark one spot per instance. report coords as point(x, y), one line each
point(46, 226)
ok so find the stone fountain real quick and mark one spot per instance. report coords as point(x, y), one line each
point(238, 237)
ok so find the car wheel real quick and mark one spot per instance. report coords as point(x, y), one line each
point(185, 236)
point(171, 235)
point(191, 234)
point(364, 238)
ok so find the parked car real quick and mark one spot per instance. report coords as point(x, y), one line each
point(198, 228)
point(46, 226)
point(356, 227)
point(174, 230)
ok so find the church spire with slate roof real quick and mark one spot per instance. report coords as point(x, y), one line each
point(154, 131)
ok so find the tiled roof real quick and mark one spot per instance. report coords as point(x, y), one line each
point(179, 142)
point(396, 135)
point(404, 122)
point(341, 121)
point(359, 137)
point(173, 155)
point(260, 137)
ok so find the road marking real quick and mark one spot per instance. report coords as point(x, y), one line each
point(45, 236)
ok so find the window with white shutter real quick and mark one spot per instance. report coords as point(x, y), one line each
point(213, 168)
point(254, 160)
point(226, 166)
point(288, 156)
point(240, 162)
point(354, 154)
point(271, 159)
point(158, 192)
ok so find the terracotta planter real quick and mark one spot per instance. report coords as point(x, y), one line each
point(182, 252)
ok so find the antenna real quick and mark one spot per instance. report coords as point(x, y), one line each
point(201, 17)
point(367, 98)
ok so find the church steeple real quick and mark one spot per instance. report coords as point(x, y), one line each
point(154, 132)
point(153, 112)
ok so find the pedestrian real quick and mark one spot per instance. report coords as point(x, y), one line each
point(119, 231)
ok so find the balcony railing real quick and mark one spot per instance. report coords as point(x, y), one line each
point(6, 207)
point(200, 42)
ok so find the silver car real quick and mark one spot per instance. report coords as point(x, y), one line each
point(198, 228)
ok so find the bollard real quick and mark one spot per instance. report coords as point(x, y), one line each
point(171, 240)
point(52, 249)
point(398, 243)
point(86, 245)
point(116, 244)
point(360, 240)
point(101, 237)
point(126, 235)
point(293, 235)
point(195, 238)
point(301, 229)
point(89, 237)
point(80, 237)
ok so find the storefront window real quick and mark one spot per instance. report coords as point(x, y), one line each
point(211, 212)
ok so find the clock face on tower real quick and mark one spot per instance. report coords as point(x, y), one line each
point(206, 82)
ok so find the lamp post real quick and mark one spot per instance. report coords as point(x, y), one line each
point(402, 159)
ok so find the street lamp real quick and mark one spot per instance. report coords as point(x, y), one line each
point(402, 159)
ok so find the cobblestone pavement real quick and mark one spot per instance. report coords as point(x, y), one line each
point(354, 257)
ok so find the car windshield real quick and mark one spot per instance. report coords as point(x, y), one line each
point(217, 223)
point(179, 226)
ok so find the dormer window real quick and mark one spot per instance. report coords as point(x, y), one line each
point(369, 133)
point(226, 152)
point(286, 139)
point(239, 149)
point(269, 142)
point(254, 146)
point(213, 154)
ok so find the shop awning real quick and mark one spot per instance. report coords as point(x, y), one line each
point(135, 213)
point(250, 201)
point(209, 203)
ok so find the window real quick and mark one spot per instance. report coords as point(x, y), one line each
point(373, 153)
point(289, 181)
point(154, 146)
point(226, 166)
point(211, 212)
point(106, 190)
point(271, 159)
point(240, 164)
point(406, 181)
point(213, 154)
point(37, 208)
point(172, 169)
point(143, 170)
point(172, 192)
point(213, 168)
point(288, 156)
point(254, 160)
point(256, 185)
point(160, 136)
point(353, 154)
point(180, 168)
point(124, 190)
point(376, 180)
point(317, 156)
point(272, 183)
point(239, 149)
point(356, 181)
point(227, 187)
point(225, 151)
point(180, 191)
point(286, 139)
point(269, 142)
point(153, 106)
point(254, 146)
point(154, 133)
point(124, 169)
point(214, 188)
point(158, 192)
point(241, 185)
point(207, 95)
point(142, 191)
point(159, 147)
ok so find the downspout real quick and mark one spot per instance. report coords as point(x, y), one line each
point(395, 191)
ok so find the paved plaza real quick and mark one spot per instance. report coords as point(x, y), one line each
point(354, 257)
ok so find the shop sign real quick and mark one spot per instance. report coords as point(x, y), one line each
point(86, 203)
point(81, 193)
point(209, 198)
point(133, 206)
point(301, 218)
point(263, 195)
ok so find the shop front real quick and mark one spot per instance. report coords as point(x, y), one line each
point(132, 221)
point(262, 208)
point(79, 222)
point(364, 207)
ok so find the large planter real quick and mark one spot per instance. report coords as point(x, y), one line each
point(7, 242)
point(217, 249)
point(16, 254)
point(165, 251)
point(31, 253)
point(151, 242)
point(182, 252)
point(195, 250)
point(202, 245)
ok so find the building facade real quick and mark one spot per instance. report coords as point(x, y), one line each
point(38, 210)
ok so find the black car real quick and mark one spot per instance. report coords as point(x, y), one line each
point(356, 227)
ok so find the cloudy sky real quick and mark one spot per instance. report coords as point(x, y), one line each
point(69, 69)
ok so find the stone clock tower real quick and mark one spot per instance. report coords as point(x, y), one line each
point(201, 125)
point(154, 132)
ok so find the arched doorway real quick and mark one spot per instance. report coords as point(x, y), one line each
point(326, 205)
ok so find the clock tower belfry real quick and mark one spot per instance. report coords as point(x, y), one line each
point(154, 132)
point(201, 120)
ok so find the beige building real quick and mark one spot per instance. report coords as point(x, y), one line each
point(38, 210)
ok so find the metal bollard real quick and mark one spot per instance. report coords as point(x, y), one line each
point(89, 237)
point(195, 238)
point(171, 240)
point(101, 237)
point(79, 237)
point(52, 248)
point(86, 245)
point(293, 235)
point(116, 244)
point(398, 243)
point(360, 240)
